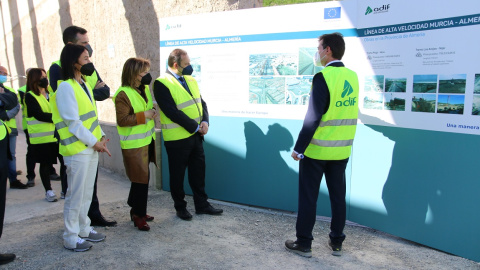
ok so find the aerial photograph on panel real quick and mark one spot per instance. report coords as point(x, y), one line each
point(453, 83)
point(476, 85)
point(374, 83)
point(424, 83)
point(394, 101)
point(452, 104)
point(273, 64)
point(267, 90)
point(298, 90)
point(476, 105)
point(373, 101)
point(305, 61)
point(424, 103)
point(395, 84)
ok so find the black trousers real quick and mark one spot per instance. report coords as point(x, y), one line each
point(94, 210)
point(3, 191)
point(183, 154)
point(137, 199)
point(310, 176)
point(29, 161)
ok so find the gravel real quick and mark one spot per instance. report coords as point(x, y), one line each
point(242, 238)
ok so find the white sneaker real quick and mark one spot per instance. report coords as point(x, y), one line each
point(94, 236)
point(50, 196)
point(81, 245)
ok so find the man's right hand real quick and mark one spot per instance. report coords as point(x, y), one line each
point(99, 84)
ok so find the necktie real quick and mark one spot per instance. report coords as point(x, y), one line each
point(184, 83)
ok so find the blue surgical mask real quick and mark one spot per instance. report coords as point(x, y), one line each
point(3, 78)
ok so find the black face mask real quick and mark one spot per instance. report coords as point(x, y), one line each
point(87, 69)
point(146, 80)
point(43, 83)
point(188, 70)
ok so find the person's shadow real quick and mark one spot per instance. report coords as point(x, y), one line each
point(429, 187)
point(268, 181)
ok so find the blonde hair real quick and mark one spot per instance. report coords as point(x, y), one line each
point(132, 68)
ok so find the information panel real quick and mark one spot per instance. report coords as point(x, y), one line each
point(417, 65)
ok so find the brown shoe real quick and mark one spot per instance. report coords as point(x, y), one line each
point(140, 223)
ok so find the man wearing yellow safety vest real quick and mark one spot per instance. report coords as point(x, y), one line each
point(10, 121)
point(184, 123)
point(8, 101)
point(325, 143)
point(78, 35)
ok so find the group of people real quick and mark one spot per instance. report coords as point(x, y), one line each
point(62, 122)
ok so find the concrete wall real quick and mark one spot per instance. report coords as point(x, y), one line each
point(31, 33)
point(31, 36)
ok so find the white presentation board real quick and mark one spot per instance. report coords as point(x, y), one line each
point(417, 69)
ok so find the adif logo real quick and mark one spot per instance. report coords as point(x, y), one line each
point(174, 26)
point(368, 11)
point(347, 90)
point(382, 9)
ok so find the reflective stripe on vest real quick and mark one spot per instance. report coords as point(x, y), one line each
point(139, 135)
point(191, 105)
point(334, 136)
point(12, 123)
point(90, 80)
point(40, 132)
point(87, 110)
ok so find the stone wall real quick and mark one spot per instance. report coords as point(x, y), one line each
point(31, 36)
point(31, 33)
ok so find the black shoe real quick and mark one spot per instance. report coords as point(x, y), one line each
point(31, 183)
point(18, 185)
point(6, 258)
point(297, 249)
point(336, 248)
point(184, 214)
point(209, 210)
point(102, 222)
point(55, 177)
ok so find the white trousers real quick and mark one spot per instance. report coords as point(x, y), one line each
point(81, 170)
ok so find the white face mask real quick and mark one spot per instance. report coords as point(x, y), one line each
point(317, 60)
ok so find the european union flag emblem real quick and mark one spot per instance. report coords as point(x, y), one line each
point(332, 13)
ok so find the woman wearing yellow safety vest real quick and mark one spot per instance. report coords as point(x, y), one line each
point(40, 127)
point(136, 127)
point(81, 138)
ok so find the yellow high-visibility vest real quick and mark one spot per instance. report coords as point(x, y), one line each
point(23, 89)
point(333, 138)
point(191, 105)
point(12, 123)
point(38, 131)
point(87, 110)
point(139, 135)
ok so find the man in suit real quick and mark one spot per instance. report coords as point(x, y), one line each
point(325, 144)
point(184, 118)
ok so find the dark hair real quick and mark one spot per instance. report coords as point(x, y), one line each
point(176, 57)
point(33, 77)
point(132, 68)
point(335, 42)
point(70, 34)
point(68, 58)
